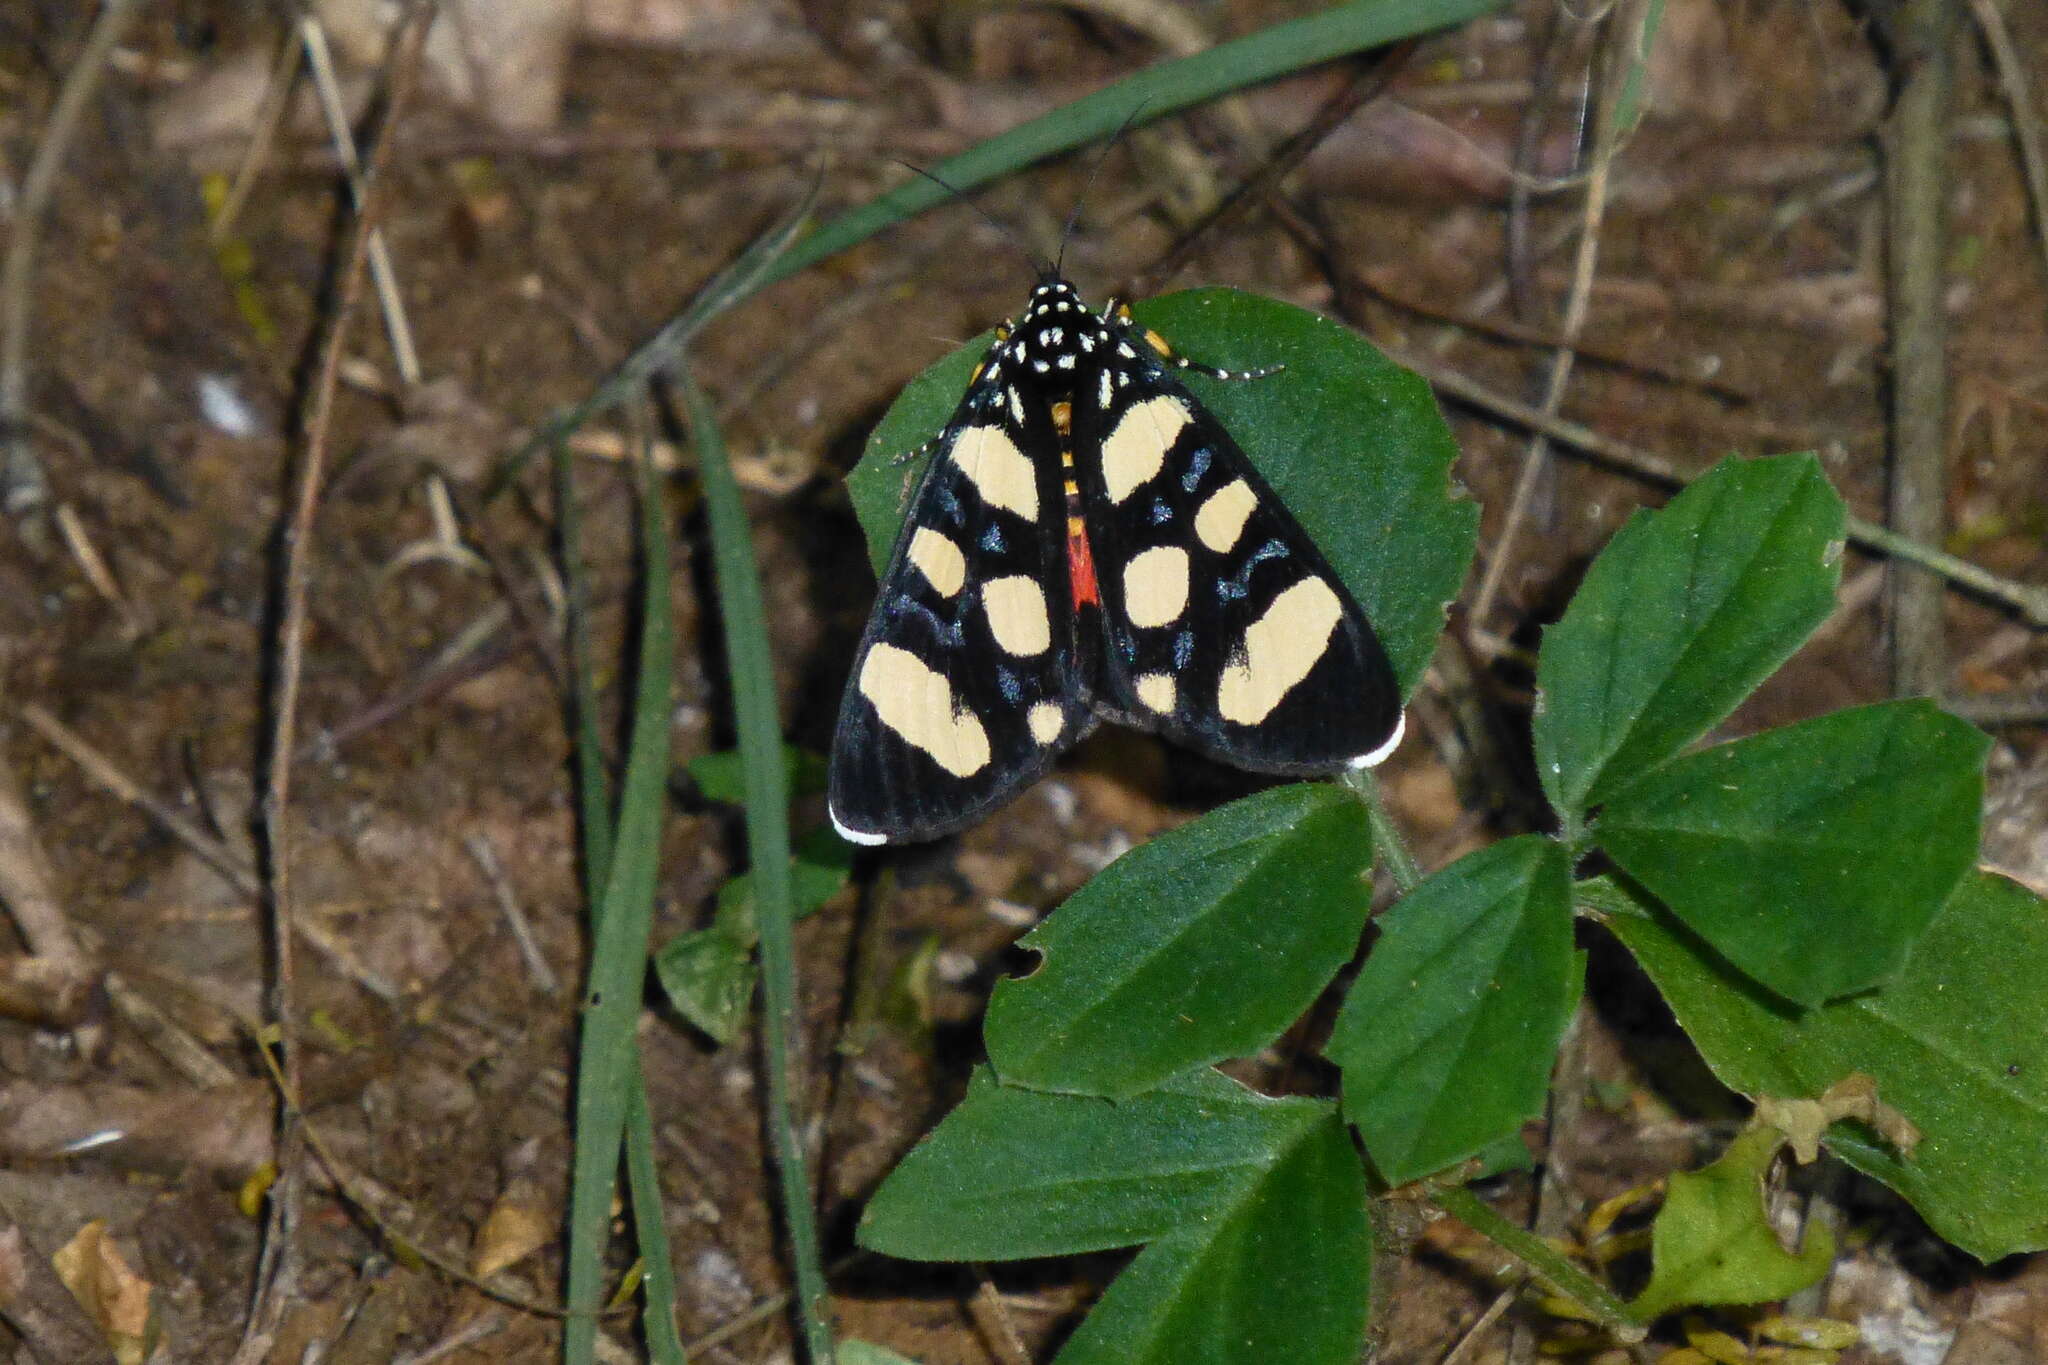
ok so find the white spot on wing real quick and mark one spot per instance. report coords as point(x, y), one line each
point(1279, 650)
point(1017, 615)
point(1223, 514)
point(939, 560)
point(1016, 407)
point(1046, 722)
point(1157, 691)
point(917, 704)
point(1000, 472)
point(1102, 392)
point(1156, 586)
point(1137, 448)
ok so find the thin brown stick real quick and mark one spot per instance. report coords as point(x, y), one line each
point(2025, 707)
point(992, 1321)
point(1366, 81)
point(2027, 600)
point(27, 886)
point(1380, 283)
point(1577, 305)
point(24, 487)
point(269, 118)
point(537, 968)
point(2026, 122)
point(102, 770)
point(1462, 1351)
point(1556, 1208)
point(277, 1273)
point(1916, 190)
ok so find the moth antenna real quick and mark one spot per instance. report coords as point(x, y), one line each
point(1088, 185)
point(1037, 264)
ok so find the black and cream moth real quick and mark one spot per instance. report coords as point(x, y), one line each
point(1087, 542)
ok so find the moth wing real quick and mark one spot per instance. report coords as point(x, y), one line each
point(966, 684)
point(1225, 628)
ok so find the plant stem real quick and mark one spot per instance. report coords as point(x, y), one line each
point(1386, 836)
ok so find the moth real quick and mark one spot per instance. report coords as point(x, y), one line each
point(1088, 543)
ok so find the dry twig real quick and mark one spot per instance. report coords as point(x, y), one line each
point(2026, 121)
point(1577, 305)
point(277, 1273)
point(24, 487)
point(1916, 190)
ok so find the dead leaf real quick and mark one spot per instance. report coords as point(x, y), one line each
point(1805, 1122)
point(518, 1225)
point(112, 1294)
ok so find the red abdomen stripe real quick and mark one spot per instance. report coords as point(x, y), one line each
point(1081, 565)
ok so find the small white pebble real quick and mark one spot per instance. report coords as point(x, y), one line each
point(225, 408)
point(1011, 913)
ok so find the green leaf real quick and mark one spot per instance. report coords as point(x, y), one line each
point(1505, 1154)
point(1681, 616)
point(1713, 1241)
point(1957, 1042)
point(722, 776)
point(1203, 944)
point(1812, 856)
point(818, 871)
point(1255, 1206)
point(708, 974)
point(709, 977)
point(1447, 1038)
point(1013, 1172)
point(1283, 1275)
point(1353, 444)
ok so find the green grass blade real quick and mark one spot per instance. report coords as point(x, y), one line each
point(593, 792)
point(1153, 93)
point(608, 1080)
point(593, 783)
point(643, 1185)
point(767, 783)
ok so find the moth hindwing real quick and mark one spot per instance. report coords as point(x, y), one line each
point(1087, 541)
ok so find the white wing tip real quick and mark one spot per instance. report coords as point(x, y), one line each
point(855, 836)
point(1377, 756)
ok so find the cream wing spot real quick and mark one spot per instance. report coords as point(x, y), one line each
point(1136, 450)
point(1017, 614)
point(1157, 691)
point(1223, 514)
point(918, 705)
point(939, 560)
point(1046, 722)
point(1156, 586)
point(999, 471)
point(1279, 650)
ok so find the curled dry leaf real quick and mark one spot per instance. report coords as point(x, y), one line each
point(112, 1293)
point(518, 1226)
point(1805, 1122)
